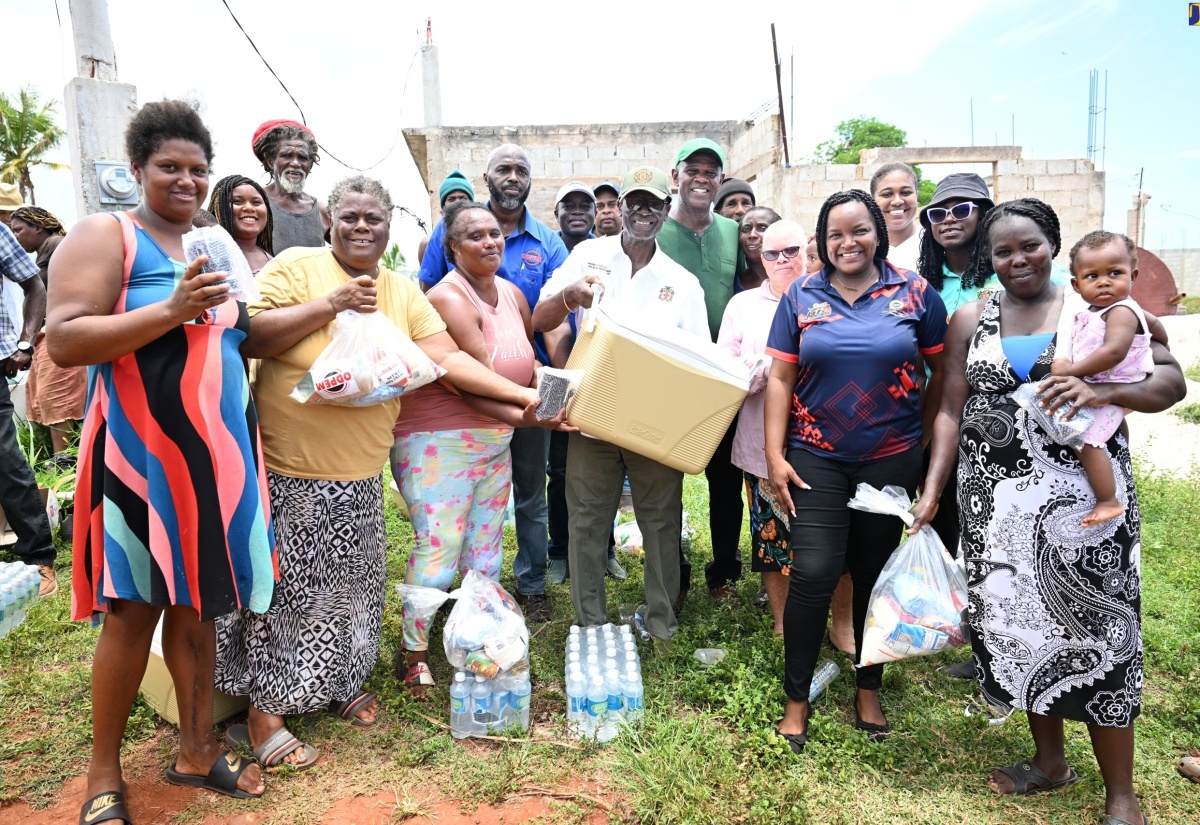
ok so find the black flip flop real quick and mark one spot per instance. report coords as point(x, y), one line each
point(222, 776)
point(349, 709)
point(1029, 778)
point(105, 807)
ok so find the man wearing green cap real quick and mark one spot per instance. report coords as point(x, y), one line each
point(639, 281)
point(706, 244)
point(454, 188)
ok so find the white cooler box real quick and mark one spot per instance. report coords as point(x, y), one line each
point(664, 393)
point(159, 691)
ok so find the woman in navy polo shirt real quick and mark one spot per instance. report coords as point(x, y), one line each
point(843, 408)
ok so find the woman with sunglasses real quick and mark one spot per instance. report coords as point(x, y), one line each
point(843, 407)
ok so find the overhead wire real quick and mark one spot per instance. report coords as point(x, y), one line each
point(304, 120)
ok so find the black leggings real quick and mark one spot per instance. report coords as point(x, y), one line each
point(827, 537)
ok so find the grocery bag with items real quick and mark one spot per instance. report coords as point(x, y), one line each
point(917, 604)
point(223, 256)
point(369, 361)
point(487, 642)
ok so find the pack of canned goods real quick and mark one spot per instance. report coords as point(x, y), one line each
point(604, 681)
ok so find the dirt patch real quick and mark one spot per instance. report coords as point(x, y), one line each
point(150, 799)
point(384, 809)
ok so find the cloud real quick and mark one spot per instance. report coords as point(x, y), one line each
point(1190, 154)
point(1003, 97)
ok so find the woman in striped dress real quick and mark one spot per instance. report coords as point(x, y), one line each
point(171, 501)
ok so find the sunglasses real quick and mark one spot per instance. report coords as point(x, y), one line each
point(656, 207)
point(788, 253)
point(960, 212)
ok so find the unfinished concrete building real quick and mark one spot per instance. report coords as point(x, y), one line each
point(591, 153)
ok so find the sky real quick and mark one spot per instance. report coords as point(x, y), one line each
point(1022, 65)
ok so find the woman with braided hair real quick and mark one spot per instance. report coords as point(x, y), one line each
point(240, 207)
point(843, 407)
point(55, 395)
point(1055, 609)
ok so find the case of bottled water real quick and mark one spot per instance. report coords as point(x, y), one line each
point(19, 584)
point(603, 678)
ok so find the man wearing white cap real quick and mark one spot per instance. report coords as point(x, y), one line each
point(638, 279)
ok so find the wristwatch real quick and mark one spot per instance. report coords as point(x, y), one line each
point(25, 347)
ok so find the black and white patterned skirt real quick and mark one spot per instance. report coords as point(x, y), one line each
point(320, 639)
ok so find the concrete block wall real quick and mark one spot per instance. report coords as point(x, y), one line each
point(562, 153)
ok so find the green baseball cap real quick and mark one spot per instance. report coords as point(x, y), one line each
point(699, 145)
point(646, 179)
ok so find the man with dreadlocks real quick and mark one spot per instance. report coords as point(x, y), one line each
point(55, 395)
point(288, 151)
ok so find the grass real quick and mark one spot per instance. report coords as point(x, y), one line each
point(1187, 412)
point(704, 754)
point(1193, 372)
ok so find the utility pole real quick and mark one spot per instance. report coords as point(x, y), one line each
point(98, 107)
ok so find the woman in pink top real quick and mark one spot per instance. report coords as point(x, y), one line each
point(744, 330)
point(451, 459)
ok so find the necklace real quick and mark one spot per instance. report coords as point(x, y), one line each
point(847, 286)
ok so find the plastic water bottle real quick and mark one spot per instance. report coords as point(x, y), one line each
point(519, 701)
point(481, 700)
point(597, 708)
point(631, 654)
point(460, 713)
point(825, 673)
point(635, 695)
point(577, 704)
point(616, 702)
point(500, 702)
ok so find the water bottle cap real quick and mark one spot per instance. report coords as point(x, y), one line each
point(460, 677)
point(478, 678)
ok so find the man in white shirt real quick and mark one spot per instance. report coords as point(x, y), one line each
point(639, 282)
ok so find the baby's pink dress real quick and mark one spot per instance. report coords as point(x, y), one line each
point(1087, 337)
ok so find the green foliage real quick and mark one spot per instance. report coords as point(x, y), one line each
point(1192, 304)
point(925, 190)
point(1187, 412)
point(855, 135)
point(394, 259)
point(27, 132)
point(1193, 372)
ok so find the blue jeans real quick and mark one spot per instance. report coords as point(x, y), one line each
point(530, 446)
point(19, 492)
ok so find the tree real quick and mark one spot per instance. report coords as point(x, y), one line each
point(856, 135)
point(27, 133)
point(868, 133)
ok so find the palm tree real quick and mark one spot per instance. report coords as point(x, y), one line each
point(27, 132)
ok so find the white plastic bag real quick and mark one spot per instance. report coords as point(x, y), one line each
point(629, 538)
point(485, 632)
point(1068, 433)
point(224, 255)
point(369, 361)
point(918, 600)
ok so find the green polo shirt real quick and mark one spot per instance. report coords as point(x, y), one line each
point(712, 256)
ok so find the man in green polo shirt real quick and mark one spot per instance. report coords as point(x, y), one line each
point(706, 245)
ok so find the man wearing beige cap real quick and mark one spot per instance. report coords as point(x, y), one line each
point(10, 201)
point(639, 281)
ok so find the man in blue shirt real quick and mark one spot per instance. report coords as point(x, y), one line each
point(532, 252)
point(18, 488)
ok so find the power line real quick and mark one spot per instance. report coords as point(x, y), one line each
point(304, 120)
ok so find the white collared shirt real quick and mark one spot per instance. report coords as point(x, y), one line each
point(660, 293)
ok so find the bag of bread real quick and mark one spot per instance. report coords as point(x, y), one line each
point(369, 361)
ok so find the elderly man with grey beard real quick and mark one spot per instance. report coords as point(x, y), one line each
point(532, 252)
point(288, 150)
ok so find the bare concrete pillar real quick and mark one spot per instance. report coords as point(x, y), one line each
point(431, 80)
point(98, 108)
point(1135, 220)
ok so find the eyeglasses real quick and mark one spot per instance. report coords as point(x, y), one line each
point(788, 253)
point(638, 205)
point(960, 212)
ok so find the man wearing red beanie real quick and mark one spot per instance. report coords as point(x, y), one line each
point(288, 150)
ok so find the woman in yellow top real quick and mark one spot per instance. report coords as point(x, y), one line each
point(318, 643)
